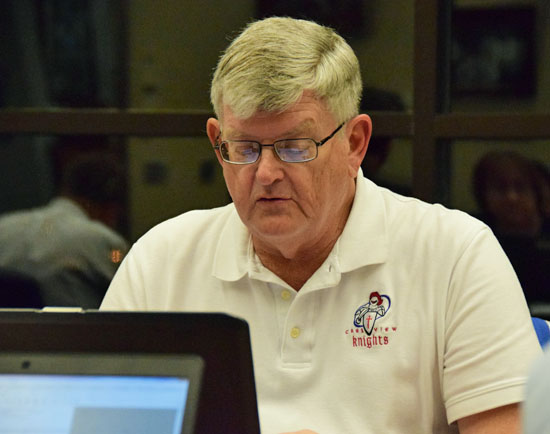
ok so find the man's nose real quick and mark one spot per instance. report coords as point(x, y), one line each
point(270, 167)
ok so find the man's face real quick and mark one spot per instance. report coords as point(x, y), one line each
point(512, 201)
point(295, 202)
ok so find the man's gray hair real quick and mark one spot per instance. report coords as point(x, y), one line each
point(273, 61)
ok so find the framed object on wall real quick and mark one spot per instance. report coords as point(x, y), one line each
point(493, 51)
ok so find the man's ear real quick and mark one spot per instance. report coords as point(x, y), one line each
point(358, 131)
point(213, 131)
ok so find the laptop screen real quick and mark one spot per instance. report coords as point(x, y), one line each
point(138, 396)
point(221, 341)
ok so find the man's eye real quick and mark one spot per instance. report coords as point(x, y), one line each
point(245, 150)
point(295, 151)
point(296, 146)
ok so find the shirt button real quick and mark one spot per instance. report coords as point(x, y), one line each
point(285, 295)
point(295, 332)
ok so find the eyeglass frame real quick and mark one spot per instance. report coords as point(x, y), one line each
point(262, 145)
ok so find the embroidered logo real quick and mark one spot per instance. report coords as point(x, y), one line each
point(367, 315)
point(367, 332)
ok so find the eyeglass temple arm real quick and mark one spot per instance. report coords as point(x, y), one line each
point(326, 139)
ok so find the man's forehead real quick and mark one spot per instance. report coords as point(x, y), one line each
point(289, 121)
point(305, 116)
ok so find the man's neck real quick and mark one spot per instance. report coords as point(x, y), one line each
point(294, 260)
point(294, 269)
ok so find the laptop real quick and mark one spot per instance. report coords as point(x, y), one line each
point(74, 393)
point(227, 399)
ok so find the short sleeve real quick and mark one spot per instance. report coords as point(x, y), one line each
point(490, 339)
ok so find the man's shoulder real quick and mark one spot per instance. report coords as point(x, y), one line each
point(193, 235)
point(406, 207)
point(20, 217)
point(97, 232)
point(409, 219)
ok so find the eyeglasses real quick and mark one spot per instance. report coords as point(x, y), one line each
point(288, 150)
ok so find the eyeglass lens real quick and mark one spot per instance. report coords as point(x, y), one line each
point(292, 150)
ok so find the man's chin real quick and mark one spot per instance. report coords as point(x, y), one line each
point(275, 227)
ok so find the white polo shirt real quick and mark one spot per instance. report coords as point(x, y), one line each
point(416, 318)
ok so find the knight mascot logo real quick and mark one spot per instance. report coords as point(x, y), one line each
point(367, 314)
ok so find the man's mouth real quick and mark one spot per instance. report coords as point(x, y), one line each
point(271, 199)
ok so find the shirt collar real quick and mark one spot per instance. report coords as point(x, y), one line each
point(231, 257)
point(363, 241)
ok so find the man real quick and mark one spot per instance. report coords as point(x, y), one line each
point(69, 246)
point(306, 242)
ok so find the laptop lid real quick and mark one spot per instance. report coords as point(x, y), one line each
point(227, 401)
point(74, 393)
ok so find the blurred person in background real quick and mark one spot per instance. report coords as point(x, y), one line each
point(70, 246)
point(508, 191)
